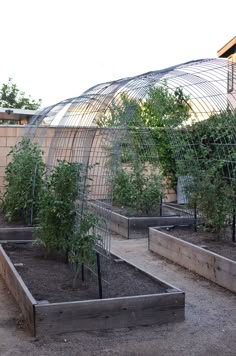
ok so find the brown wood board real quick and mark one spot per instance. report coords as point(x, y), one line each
point(208, 264)
point(109, 313)
point(18, 289)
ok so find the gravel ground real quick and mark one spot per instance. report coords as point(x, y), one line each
point(209, 328)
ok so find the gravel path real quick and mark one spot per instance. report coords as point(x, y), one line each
point(209, 328)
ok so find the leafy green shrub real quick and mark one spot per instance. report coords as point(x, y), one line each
point(82, 244)
point(57, 210)
point(137, 190)
point(147, 123)
point(211, 196)
point(60, 229)
point(210, 144)
point(165, 110)
point(207, 152)
point(122, 190)
point(23, 182)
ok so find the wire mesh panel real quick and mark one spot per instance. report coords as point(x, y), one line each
point(141, 140)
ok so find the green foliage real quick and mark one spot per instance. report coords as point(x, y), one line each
point(163, 108)
point(138, 190)
point(132, 137)
point(23, 182)
point(207, 151)
point(211, 196)
point(12, 97)
point(60, 229)
point(143, 137)
point(164, 111)
point(147, 125)
point(82, 246)
point(57, 211)
point(126, 113)
point(210, 144)
point(123, 191)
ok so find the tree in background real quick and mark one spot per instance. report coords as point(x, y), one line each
point(12, 97)
point(148, 123)
point(166, 110)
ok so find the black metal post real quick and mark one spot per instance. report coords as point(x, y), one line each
point(82, 272)
point(195, 218)
point(233, 227)
point(161, 210)
point(99, 275)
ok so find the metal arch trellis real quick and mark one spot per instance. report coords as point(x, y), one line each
point(190, 76)
point(69, 130)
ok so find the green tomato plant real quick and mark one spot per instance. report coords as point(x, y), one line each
point(23, 182)
point(83, 243)
point(60, 230)
point(211, 196)
point(207, 151)
point(137, 190)
point(58, 206)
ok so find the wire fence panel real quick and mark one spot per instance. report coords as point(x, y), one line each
point(143, 139)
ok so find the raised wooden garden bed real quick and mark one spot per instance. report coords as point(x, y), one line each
point(210, 265)
point(16, 233)
point(10, 231)
point(44, 317)
point(131, 227)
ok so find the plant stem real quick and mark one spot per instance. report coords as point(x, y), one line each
point(75, 276)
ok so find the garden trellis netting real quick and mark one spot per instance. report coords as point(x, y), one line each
point(162, 130)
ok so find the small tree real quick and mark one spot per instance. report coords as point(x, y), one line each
point(164, 110)
point(23, 182)
point(12, 97)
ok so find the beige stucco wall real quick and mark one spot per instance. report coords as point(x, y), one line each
point(73, 144)
point(10, 135)
point(8, 138)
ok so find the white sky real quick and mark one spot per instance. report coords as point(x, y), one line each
point(56, 49)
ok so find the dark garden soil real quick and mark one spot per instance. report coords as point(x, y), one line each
point(222, 245)
point(51, 279)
